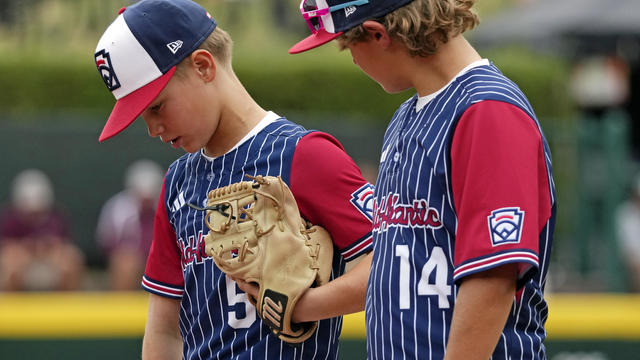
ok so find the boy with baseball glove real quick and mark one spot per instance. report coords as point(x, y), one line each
point(168, 61)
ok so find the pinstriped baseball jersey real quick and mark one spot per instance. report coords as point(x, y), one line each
point(216, 319)
point(464, 185)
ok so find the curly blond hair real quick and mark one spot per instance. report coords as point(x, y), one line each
point(421, 25)
point(219, 44)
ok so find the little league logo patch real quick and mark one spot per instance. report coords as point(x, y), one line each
point(362, 199)
point(505, 225)
point(103, 62)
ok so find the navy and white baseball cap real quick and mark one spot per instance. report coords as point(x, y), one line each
point(138, 53)
point(342, 16)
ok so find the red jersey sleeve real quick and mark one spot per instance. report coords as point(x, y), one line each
point(163, 272)
point(331, 192)
point(500, 189)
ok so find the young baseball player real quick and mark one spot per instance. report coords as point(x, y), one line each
point(168, 61)
point(464, 201)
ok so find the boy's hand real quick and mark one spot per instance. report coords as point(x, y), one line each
point(252, 289)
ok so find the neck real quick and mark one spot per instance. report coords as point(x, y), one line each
point(239, 114)
point(432, 73)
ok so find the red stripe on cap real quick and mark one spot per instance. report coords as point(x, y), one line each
point(128, 108)
point(122, 10)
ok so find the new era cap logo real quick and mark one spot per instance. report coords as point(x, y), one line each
point(349, 10)
point(103, 63)
point(175, 46)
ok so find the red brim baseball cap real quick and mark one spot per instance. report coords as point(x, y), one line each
point(128, 108)
point(320, 38)
point(138, 53)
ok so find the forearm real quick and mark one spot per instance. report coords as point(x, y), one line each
point(161, 346)
point(482, 307)
point(344, 295)
point(162, 340)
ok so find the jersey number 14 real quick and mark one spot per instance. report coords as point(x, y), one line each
point(437, 263)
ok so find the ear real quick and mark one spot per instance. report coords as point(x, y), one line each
point(204, 64)
point(377, 32)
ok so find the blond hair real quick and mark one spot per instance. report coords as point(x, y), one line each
point(421, 25)
point(219, 44)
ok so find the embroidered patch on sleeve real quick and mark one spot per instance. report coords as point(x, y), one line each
point(505, 225)
point(362, 199)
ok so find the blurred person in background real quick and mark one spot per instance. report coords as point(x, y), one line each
point(36, 252)
point(125, 225)
point(628, 228)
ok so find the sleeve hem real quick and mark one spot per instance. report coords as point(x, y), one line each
point(485, 263)
point(362, 246)
point(161, 289)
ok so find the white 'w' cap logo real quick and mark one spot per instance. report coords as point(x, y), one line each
point(349, 10)
point(174, 46)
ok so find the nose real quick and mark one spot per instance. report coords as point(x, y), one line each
point(154, 127)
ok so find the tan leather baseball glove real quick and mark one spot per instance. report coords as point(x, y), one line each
point(257, 235)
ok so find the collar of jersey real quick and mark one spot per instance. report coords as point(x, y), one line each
point(424, 100)
point(266, 120)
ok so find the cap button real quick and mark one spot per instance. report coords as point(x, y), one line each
point(122, 10)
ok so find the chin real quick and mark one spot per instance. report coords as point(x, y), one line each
point(395, 89)
point(190, 149)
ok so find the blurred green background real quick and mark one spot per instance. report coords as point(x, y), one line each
point(53, 105)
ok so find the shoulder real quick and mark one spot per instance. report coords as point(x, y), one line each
point(499, 118)
point(485, 72)
point(487, 82)
point(320, 156)
point(180, 166)
point(317, 140)
point(59, 215)
point(282, 127)
point(315, 153)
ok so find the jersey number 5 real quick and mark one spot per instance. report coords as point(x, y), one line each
point(437, 263)
point(233, 299)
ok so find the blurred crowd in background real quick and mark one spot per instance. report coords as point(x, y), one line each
point(577, 60)
point(39, 253)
